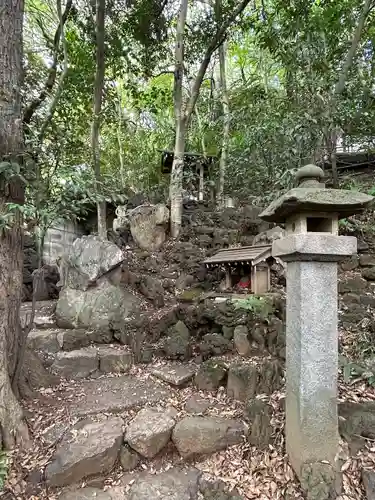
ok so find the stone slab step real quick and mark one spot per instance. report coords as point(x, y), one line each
point(52, 340)
point(177, 483)
point(83, 362)
point(114, 395)
point(90, 447)
point(174, 374)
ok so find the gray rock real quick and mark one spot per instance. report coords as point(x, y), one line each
point(367, 300)
point(247, 380)
point(228, 332)
point(367, 260)
point(351, 263)
point(242, 381)
point(55, 433)
point(44, 340)
point(362, 246)
point(91, 447)
point(211, 375)
point(153, 290)
point(129, 459)
point(175, 484)
point(356, 423)
point(369, 273)
point(267, 237)
point(259, 414)
point(368, 478)
point(149, 432)
point(177, 345)
point(203, 435)
point(217, 490)
point(184, 281)
point(88, 259)
point(174, 374)
point(319, 481)
point(71, 340)
point(103, 307)
point(241, 340)
point(113, 360)
point(85, 494)
point(114, 395)
point(354, 285)
point(76, 364)
point(196, 404)
point(213, 344)
point(148, 225)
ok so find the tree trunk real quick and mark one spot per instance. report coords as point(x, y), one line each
point(98, 95)
point(176, 179)
point(119, 136)
point(226, 125)
point(13, 426)
point(183, 117)
point(331, 149)
point(179, 150)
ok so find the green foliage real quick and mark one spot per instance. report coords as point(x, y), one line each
point(258, 305)
point(283, 63)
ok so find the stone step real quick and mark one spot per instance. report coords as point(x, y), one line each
point(82, 363)
point(44, 314)
point(94, 445)
point(178, 483)
point(51, 340)
point(113, 395)
point(175, 484)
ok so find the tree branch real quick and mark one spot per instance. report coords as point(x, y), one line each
point(216, 41)
point(52, 74)
point(61, 79)
point(340, 85)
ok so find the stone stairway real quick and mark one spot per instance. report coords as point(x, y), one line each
point(118, 416)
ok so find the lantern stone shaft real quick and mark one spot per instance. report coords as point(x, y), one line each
point(312, 248)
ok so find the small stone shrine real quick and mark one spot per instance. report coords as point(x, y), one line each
point(247, 268)
point(312, 248)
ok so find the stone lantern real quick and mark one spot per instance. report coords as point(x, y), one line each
point(312, 248)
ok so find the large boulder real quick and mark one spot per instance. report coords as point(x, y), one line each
point(90, 448)
point(148, 225)
point(205, 435)
point(103, 307)
point(92, 296)
point(88, 259)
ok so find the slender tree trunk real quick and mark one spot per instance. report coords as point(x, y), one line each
point(98, 97)
point(119, 138)
point(13, 426)
point(178, 160)
point(176, 179)
point(331, 145)
point(204, 151)
point(183, 117)
point(226, 126)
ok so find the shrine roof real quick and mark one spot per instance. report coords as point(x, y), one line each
point(246, 255)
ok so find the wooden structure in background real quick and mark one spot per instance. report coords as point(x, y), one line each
point(256, 258)
point(197, 163)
